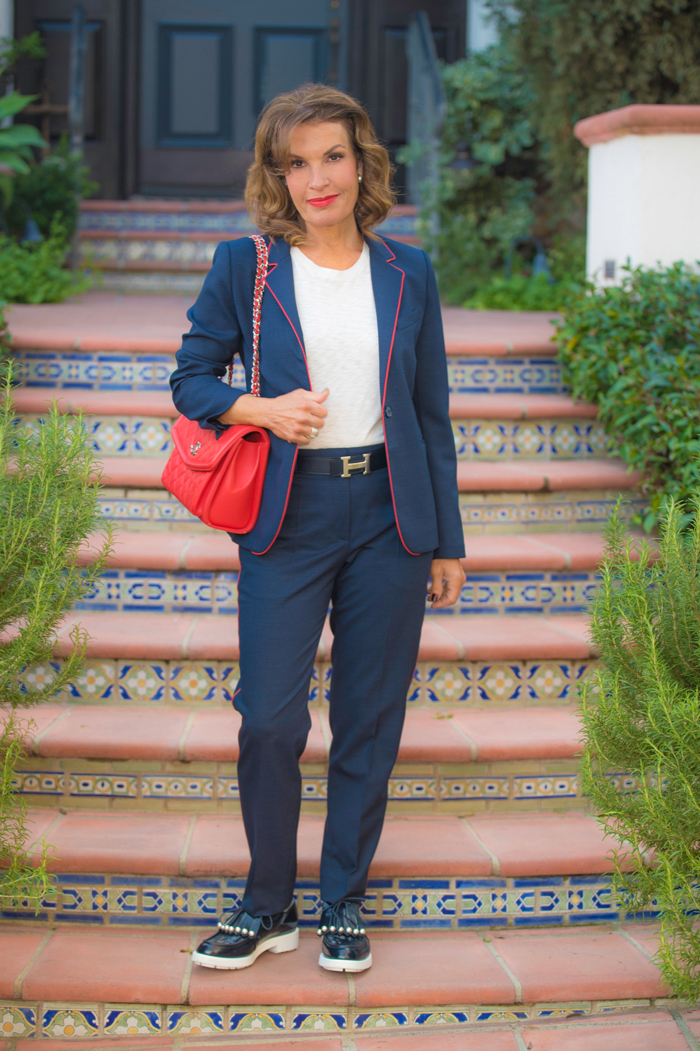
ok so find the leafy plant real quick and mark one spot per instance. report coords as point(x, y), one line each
point(641, 716)
point(487, 199)
point(51, 189)
point(48, 507)
point(634, 351)
point(521, 293)
point(35, 273)
point(586, 58)
point(17, 140)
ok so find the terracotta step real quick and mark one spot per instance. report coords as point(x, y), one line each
point(643, 1030)
point(516, 407)
point(181, 636)
point(414, 975)
point(107, 321)
point(215, 551)
point(500, 476)
point(474, 736)
point(159, 403)
point(34, 400)
point(525, 846)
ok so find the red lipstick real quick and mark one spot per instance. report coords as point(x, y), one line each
point(322, 202)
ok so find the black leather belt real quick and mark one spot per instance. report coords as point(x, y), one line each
point(342, 466)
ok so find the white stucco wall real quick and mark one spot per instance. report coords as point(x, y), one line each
point(6, 19)
point(643, 202)
point(481, 31)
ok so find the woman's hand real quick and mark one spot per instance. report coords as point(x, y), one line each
point(291, 416)
point(446, 581)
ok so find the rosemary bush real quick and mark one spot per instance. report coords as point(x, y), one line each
point(641, 716)
point(634, 351)
point(48, 507)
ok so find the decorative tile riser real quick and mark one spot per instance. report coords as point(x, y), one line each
point(566, 510)
point(464, 788)
point(458, 684)
point(121, 435)
point(509, 512)
point(449, 903)
point(541, 440)
point(152, 282)
point(119, 253)
point(216, 592)
point(128, 371)
point(123, 223)
point(491, 440)
point(77, 1021)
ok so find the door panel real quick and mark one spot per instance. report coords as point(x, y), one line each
point(286, 58)
point(207, 69)
point(194, 86)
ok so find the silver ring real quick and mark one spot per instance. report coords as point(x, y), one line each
point(314, 433)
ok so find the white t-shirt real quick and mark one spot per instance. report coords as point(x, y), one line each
point(339, 323)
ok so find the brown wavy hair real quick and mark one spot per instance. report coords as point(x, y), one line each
point(266, 193)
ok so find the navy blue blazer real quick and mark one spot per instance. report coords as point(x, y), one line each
point(413, 380)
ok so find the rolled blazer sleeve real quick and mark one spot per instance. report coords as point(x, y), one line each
point(431, 398)
point(209, 347)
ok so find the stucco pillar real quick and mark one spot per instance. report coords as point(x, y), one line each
point(643, 188)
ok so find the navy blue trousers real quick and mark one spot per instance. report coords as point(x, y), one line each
point(338, 544)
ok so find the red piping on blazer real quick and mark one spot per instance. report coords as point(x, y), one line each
point(296, 451)
point(386, 380)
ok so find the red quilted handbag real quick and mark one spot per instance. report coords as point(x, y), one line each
point(221, 481)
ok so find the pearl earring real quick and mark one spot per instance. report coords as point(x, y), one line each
point(359, 178)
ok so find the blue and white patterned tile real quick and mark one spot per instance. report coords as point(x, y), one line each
point(111, 786)
point(380, 1020)
point(71, 1023)
point(319, 1022)
point(95, 682)
point(132, 1022)
point(193, 681)
point(430, 1018)
point(38, 783)
point(250, 1020)
point(524, 375)
point(207, 1022)
point(110, 371)
point(561, 786)
point(457, 789)
point(142, 682)
point(447, 683)
point(16, 1022)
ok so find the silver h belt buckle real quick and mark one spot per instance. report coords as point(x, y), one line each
point(359, 465)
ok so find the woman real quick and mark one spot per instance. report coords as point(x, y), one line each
point(359, 506)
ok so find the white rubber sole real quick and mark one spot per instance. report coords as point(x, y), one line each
point(280, 943)
point(344, 965)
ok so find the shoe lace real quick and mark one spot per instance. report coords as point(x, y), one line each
point(343, 917)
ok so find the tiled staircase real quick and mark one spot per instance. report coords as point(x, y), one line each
point(489, 901)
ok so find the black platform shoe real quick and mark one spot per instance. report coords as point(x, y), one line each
point(345, 944)
point(241, 938)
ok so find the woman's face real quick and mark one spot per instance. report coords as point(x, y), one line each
point(323, 173)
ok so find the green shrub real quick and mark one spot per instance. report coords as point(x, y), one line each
point(634, 351)
point(17, 141)
point(48, 507)
point(521, 293)
point(35, 272)
point(586, 58)
point(481, 208)
point(641, 718)
point(51, 189)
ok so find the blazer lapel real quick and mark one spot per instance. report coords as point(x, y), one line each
point(387, 284)
point(279, 287)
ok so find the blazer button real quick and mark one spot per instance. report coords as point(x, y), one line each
point(387, 411)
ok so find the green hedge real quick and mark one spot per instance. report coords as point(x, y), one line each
point(634, 351)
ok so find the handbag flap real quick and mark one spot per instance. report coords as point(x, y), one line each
point(200, 449)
